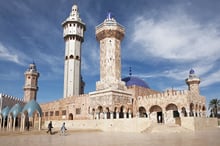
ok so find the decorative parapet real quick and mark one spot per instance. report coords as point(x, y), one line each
point(9, 97)
point(168, 93)
point(8, 100)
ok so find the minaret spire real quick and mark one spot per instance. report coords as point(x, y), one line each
point(130, 71)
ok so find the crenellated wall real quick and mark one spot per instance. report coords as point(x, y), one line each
point(178, 98)
point(7, 100)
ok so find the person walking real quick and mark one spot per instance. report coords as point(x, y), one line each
point(63, 129)
point(50, 126)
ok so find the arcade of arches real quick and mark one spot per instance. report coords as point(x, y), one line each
point(102, 112)
point(171, 111)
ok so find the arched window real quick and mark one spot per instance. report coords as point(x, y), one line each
point(71, 56)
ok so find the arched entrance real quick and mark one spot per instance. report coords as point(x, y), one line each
point(27, 123)
point(108, 114)
point(121, 113)
point(114, 113)
point(191, 108)
point(100, 113)
point(196, 110)
point(173, 108)
point(156, 114)
point(142, 112)
point(93, 114)
point(183, 112)
point(70, 116)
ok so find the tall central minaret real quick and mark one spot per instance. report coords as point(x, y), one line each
point(110, 34)
point(73, 32)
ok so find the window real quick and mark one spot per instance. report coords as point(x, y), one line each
point(71, 56)
point(78, 111)
point(51, 113)
point(46, 114)
point(56, 113)
point(64, 112)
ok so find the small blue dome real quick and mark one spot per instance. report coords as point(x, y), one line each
point(192, 71)
point(31, 107)
point(15, 110)
point(129, 81)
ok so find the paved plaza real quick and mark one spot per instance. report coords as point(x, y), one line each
point(208, 137)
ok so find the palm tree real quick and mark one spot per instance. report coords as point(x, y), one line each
point(214, 106)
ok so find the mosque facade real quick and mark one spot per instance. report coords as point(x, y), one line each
point(114, 97)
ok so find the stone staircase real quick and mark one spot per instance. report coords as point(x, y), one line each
point(165, 128)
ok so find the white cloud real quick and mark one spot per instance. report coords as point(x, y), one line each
point(90, 61)
point(211, 78)
point(177, 37)
point(54, 63)
point(11, 55)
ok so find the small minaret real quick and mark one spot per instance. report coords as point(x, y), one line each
point(31, 83)
point(73, 33)
point(110, 34)
point(193, 83)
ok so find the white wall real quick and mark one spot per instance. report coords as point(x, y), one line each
point(198, 123)
point(122, 125)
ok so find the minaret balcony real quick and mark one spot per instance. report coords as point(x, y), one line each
point(29, 87)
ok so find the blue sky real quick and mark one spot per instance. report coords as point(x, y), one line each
point(164, 39)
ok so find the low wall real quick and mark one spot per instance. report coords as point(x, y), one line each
point(198, 123)
point(122, 125)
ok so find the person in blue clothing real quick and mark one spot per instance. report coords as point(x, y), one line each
point(63, 129)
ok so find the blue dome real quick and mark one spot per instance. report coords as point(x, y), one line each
point(129, 81)
point(192, 71)
point(15, 110)
point(31, 107)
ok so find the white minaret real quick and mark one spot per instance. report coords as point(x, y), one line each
point(73, 31)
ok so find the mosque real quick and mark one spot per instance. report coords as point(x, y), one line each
point(127, 104)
